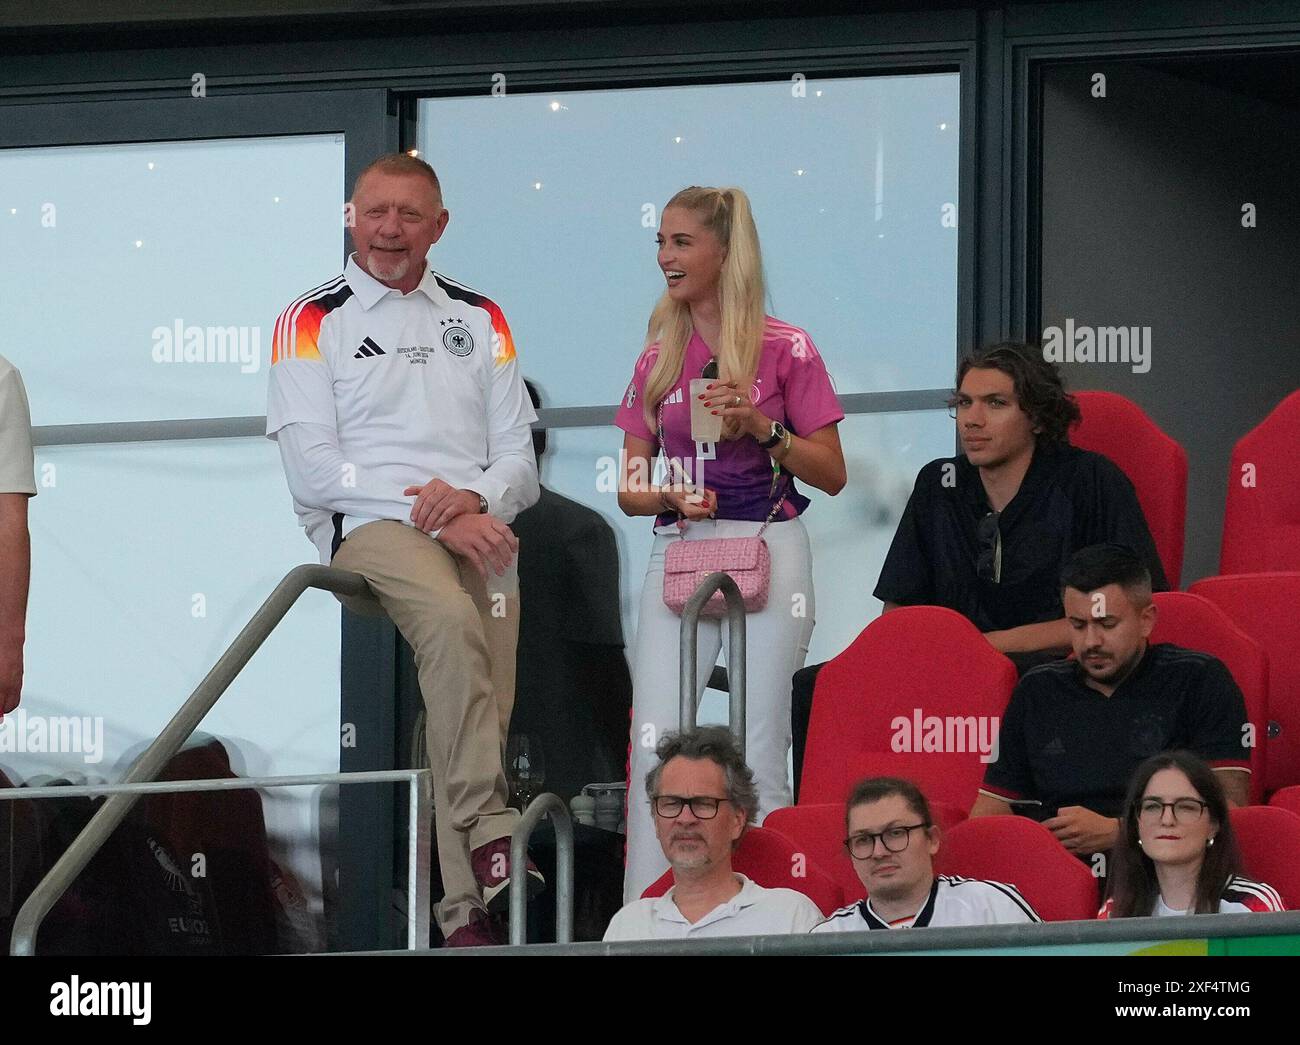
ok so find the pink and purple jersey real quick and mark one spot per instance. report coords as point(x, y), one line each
point(791, 386)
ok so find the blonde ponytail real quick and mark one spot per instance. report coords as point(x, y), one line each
point(741, 292)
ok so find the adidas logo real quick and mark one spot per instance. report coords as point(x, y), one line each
point(1055, 747)
point(368, 348)
point(676, 397)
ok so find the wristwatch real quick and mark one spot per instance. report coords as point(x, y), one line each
point(778, 433)
point(482, 505)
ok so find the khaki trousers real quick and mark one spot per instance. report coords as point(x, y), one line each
point(465, 657)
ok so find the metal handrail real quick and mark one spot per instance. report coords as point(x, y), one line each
point(420, 797)
point(1042, 939)
point(540, 807)
point(735, 652)
point(151, 762)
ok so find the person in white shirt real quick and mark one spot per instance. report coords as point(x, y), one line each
point(404, 428)
point(17, 486)
point(1176, 852)
point(703, 798)
point(892, 841)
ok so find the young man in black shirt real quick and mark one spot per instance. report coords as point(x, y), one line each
point(987, 532)
point(1075, 730)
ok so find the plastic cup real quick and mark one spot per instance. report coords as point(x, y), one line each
point(706, 426)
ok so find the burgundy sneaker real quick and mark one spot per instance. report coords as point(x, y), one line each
point(491, 866)
point(482, 930)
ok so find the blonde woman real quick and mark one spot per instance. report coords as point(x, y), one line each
point(779, 416)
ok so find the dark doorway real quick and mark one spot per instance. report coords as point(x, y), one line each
point(1145, 223)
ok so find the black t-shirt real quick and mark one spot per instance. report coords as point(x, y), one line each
point(1065, 744)
point(1069, 499)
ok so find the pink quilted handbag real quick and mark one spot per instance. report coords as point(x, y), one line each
point(745, 559)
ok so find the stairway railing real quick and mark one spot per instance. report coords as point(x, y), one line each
point(146, 768)
point(23, 940)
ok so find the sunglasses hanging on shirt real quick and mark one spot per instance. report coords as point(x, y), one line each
point(988, 567)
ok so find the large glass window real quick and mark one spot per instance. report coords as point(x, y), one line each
point(555, 203)
point(142, 282)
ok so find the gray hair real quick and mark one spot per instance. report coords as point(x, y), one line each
point(717, 745)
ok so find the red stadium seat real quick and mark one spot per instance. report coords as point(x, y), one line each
point(1196, 623)
point(1261, 520)
point(770, 859)
point(1021, 852)
point(1287, 798)
point(818, 830)
point(1263, 606)
point(1269, 839)
point(913, 663)
point(1155, 464)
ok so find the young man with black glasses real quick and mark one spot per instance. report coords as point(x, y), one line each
point(892, 842)
point(987, 532)
point(702, 796)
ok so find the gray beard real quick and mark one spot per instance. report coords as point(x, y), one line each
point(387, 275)
point(693, 862)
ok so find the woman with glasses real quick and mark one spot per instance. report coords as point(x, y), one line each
point(1176, 851)
point(768, 388)
point(892, 841)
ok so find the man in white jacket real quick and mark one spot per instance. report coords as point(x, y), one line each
point(404, 427)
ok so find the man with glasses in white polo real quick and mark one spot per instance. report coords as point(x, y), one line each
point(892, 841)
point(703, 798)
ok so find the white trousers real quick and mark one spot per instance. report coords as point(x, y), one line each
point(776, 644)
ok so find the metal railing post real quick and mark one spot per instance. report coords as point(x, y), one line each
point(150, 763)
point(417, 855)
point(540, 807)
point(735, 652)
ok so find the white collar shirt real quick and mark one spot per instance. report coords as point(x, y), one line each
point(754, 911)
point(415, 386)
point(951, 901)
